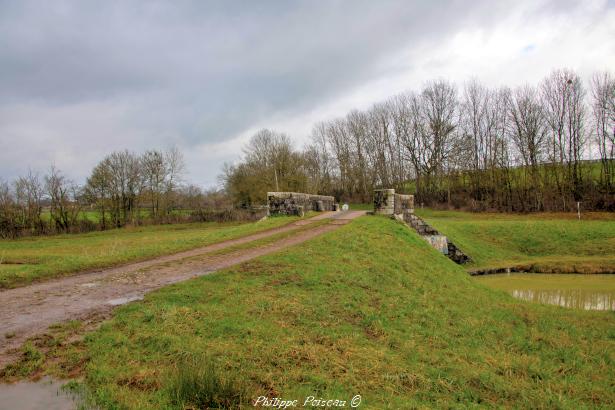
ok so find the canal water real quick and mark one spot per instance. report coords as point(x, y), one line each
point(588, 292)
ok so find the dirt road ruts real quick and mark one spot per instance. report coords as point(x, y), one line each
point(30, 310)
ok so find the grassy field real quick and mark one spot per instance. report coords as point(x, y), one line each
point(543, 242)
point(347, 314)
point(95, 215)
point(25, 260)
point(361, 207)
point(92, 216)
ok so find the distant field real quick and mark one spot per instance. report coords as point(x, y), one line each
point(549, 242)
point(362, 207)
point(34, 258)
point(95, 216)
point(344, 315)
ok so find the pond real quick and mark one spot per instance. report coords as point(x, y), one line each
point(589, 292)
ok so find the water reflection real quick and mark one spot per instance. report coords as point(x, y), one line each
point(577, 299)
point(45, 394)
point(589, 292)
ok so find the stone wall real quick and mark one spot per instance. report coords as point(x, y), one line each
point(387, 202)
point(384, 201)
point(437, 240)
point(295, 203)
point(404, 204)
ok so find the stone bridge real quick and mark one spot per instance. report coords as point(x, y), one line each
point(296, 203)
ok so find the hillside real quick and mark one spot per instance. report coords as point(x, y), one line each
point(369, 309)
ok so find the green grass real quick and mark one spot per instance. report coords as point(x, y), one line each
point(25, 260)
point(543, 242)
point(200, 384)
point(368, 309)
point(92, 216)
point(361, 207)
point(95, 215)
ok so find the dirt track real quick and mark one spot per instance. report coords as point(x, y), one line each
point(30, 310)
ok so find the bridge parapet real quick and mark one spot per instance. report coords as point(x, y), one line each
point(296, 203)
point(387, 202)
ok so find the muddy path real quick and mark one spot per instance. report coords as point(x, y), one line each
point(30, 310)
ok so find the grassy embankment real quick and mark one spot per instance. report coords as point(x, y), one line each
point(547, 242)
point(34, 258)
point(369, 309)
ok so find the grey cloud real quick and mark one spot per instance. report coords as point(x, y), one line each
point(196, 72)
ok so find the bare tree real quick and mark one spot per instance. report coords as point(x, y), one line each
point(563, 104)
point(379, 140)
point(154, 172)
point(175, 169)
point(319, 162)
point(9, 225)
point(64, 207)
point(528, 131)
point(603, 110)
point(337, 136)
point(439, 108)
point(99, 190)
point(358, 128)
point(29, 197)
point(270, 163)
point(501, 160)
point(477, 130)
point(490, 148)
point(126, 186)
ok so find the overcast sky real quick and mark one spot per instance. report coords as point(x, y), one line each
point(79, 79)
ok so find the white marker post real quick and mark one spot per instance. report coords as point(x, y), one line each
point(579, 210)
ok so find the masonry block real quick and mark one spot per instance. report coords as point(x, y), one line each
point(296, 203)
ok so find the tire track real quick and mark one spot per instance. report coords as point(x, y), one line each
point(30, 310)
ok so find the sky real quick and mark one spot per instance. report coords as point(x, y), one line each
point(81, 79)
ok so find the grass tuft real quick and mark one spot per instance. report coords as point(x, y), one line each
point(30, 361)
point(199, 384)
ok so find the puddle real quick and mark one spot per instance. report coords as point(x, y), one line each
point(42, 395)
point(124, 300)
point(588, 292)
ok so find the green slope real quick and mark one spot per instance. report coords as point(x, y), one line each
point(545, 242)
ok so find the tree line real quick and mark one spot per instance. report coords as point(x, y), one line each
point(124, 188)
point(541, 147)
point(532, 148)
